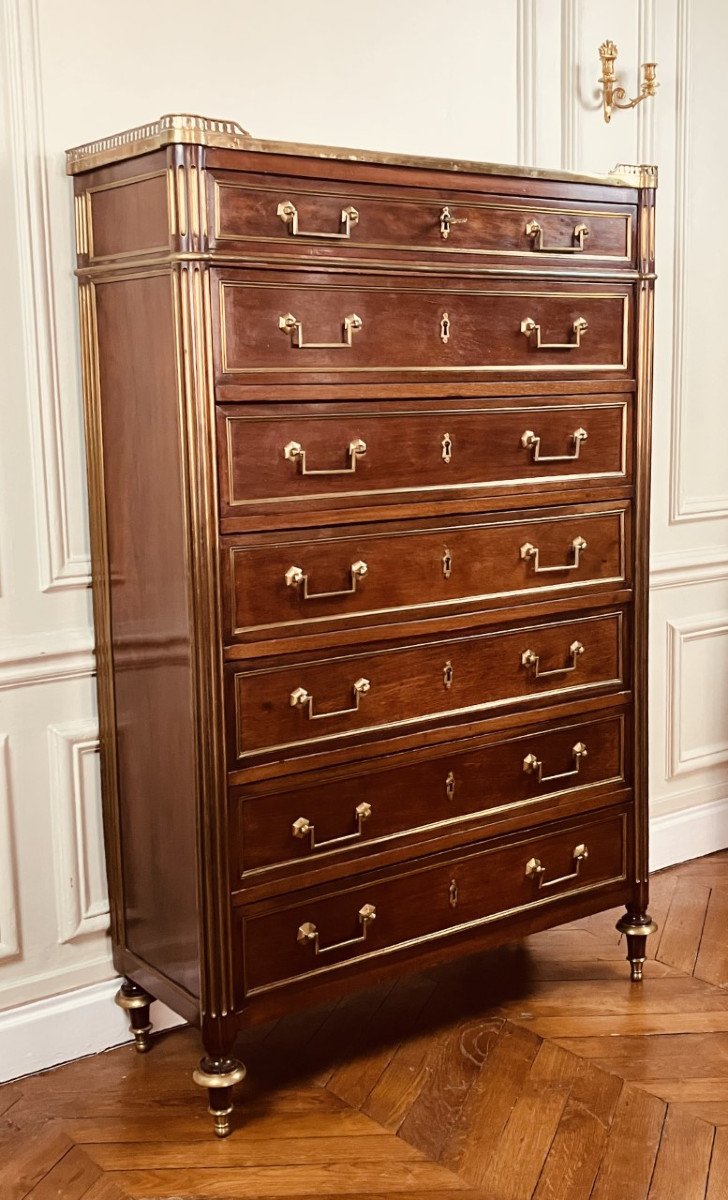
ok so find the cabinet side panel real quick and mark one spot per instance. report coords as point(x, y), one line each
point(150, 621)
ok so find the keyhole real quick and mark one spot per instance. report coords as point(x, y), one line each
point(446, 448)
point(447, 564)
point(450, 786)
point(453, 894)
point(445, 327)
point(447, 674)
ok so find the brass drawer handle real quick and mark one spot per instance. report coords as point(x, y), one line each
point(297, 577)
point(288, 213)
point(531, 553)
point(303, 828)
point(530, 659)
point(535, 870)
point(447, 220)
point(531, 441)
point(533, 765)
point(529, 326)
point(294, 452)
point(300, 698)
point(294, 328)
point(535, 233)
point(308, 934)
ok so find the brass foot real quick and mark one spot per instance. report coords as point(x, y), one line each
point(219, 1075)
point(136, 1002)
point(637, 930)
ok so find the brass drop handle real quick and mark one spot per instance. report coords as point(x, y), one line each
point(535, 233)
point(531, 441)
point(300, 698)
point(288, 214)
point(533, 765)
point(294, 328)
point(303, 828)
point(308, 934)
point(579, 327)
point(294, 452)
point(532, 554)
point(297, 577)
point(447, 220)
point(535, 869)
point(530, 659)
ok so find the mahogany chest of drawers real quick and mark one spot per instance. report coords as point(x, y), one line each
point(368, 449)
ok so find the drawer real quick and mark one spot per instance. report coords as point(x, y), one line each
point(347, 696)
point(288, 217)
point(325, 579)
point(361, 812)
point(343, 456)
point(339, 326)
point(453, 894)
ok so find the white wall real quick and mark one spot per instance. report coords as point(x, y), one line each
point(505, 80)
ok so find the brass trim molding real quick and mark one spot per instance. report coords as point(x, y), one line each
point(277, 368)
point(190, 129)
point(234, 501)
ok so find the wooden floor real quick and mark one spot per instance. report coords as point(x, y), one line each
point(536, 1071)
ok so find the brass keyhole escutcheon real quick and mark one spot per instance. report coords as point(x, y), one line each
point(447, 563)
point(454, 895)
point(445, 327)
point(447, 674)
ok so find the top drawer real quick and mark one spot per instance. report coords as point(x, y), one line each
point(288, 217)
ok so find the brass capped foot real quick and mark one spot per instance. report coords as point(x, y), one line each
point(637, 930)
point(134, 1000)
point(219, 1076)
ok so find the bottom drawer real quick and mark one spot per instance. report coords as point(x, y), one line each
point(452, 893)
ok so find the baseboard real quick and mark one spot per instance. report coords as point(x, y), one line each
point(690, 833)
point(48, 1032)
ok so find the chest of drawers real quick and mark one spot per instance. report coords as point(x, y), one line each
point(368, 450)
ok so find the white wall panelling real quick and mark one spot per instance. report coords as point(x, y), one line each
point(58, 482)
point(9, 933)
point(40, 658)
point(697, 665)
point(491, 79)
point(82, 899)
point(699, 482)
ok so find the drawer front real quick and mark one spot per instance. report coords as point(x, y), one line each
point(320, 222)
point(279, 458)
point(349, 328)
point(310, 823)
point(344, 697)
point(282, 588)
point(459, 892)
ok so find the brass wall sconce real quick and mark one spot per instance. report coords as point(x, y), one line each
point(613, 95)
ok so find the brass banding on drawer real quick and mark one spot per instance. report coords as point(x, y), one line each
point(319, 579)
point(272, 706)
point(337, 223)
point(399, 327)
point(278, 458)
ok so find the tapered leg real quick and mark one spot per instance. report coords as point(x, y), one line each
point(219, 1076)
point(136, 1002)
point(637, 928)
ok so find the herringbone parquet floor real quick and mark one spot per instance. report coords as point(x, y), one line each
point(536, 1071)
